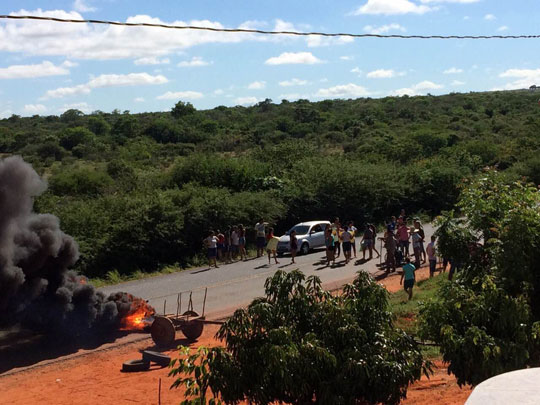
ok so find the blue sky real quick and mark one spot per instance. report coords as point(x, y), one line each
point(46, 68)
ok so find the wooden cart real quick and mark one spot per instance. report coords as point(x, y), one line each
point(163, 329)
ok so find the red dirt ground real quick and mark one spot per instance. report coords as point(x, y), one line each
point(96, 378)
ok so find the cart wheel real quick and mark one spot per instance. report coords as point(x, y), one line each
point(192, 329)
point(162, 331)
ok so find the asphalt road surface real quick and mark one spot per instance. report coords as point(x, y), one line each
point(235, 285)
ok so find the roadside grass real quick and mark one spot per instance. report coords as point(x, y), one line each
point(115, 277)
point(406, 312)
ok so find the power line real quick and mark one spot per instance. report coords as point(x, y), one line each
point(255, 31)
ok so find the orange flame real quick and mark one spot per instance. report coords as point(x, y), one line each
point(138, 316)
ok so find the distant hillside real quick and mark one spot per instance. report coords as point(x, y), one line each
point(139, 191)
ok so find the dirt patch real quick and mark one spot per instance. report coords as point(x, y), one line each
point(96, 377)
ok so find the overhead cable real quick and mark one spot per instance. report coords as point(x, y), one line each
point(264, 32)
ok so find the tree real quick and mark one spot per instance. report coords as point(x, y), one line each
point(299, 344)
point(182, 109)
point(487, 321)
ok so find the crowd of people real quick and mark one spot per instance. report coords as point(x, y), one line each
point(230, 245)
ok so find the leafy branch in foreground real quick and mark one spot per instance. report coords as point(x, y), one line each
point(302, 345)
point(488, 321)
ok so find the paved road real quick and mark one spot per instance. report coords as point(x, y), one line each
point(235, 285)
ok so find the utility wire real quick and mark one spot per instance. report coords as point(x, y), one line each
point(254, 31)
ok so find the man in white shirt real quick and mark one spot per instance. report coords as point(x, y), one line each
point(431, 251)
point(211, 244)
point(261, 236)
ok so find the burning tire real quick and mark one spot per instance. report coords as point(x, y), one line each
point(135, 365)
point(156, 357)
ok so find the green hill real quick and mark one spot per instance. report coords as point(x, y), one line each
point(140, 191)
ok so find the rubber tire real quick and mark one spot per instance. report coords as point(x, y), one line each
point(135, 365)
point(156, 357)
point(304, 249)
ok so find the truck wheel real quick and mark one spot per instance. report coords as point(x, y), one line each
point(304, 249)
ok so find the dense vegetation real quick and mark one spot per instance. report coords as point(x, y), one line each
point(488, 320)
point(139, 191)
point(300, 344)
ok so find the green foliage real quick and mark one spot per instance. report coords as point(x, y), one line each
point(82, 181)
point(300, 344)
point(182, 109)
point(487, 321)
point(360, 159)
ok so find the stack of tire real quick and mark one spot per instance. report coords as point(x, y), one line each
point(148, 357)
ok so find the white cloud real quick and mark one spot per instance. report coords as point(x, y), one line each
point(43, 69)
point(357, 70)
point(6, 113)
point(187, 95)
point(502, 28)
point(111, 80)
point(81, 6)
point(450, 1)
point(466, 17)
point(84, 107)
point(246, 100)
point(489, 17)
point(384, 74)
point(152, 60)
point(196, 61)
point(88, 41)
point(418, 88)
point(292, 96)
point(349, 90)
point(289, 58)
point(524, 78)
point(139, 100)
point(453, 71)
point(35, 109)
point(69, 64)
point(323, 80)
point(346, 57)
point(293, 82)
point(384, 28)
point(457, 83)
point(218, 92)
point(314, 41)
point(391, 7)
point(257, 85)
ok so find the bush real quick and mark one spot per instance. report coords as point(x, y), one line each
point(300, 344)
point(488, 321)
point(83, 181)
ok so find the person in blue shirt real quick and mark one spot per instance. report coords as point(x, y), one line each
point(408, 275)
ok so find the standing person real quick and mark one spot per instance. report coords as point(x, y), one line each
point(367, 242)
point(408, 274)
point(329, 243)
point(432, 255)
point(374, 231)
point(393, 223)
point(418, 225)
point(402, 216)
point(346, 238)
point(417, 248)
point(293, 244)
point(353, 230)
point(336, 226)
point(390, 244)
point(211, 245)
point(234, 242)
point(260, 238)
point(242, 242)
point(227, 245)
point(271, 245)
point(220, 245)
point(403, 238)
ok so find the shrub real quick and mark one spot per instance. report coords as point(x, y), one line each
point(300, 344)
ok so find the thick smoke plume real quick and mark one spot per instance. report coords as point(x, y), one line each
point(37, 289)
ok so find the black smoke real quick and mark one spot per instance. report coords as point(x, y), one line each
point(37, 289)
